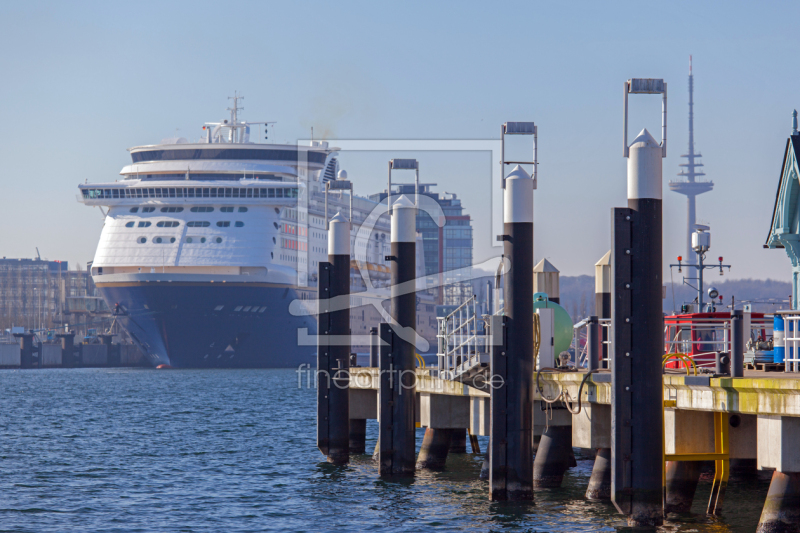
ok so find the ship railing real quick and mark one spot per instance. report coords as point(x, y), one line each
point(580, 346)
point(709, 336)
point(461, 341)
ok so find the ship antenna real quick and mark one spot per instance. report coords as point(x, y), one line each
point(235, 115)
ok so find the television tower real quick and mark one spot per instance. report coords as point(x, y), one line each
point(691, 188)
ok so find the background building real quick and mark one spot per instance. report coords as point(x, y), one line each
point(448, 249)
point(46, 295)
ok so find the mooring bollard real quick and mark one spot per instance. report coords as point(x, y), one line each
point(435, 445)
point(737, 343)
point(333, 348)
point(397, 354)
point(781, 511)
point(637, 410)
point(511, 433)
point(602, 299)
point(682, 479)
point(600, 482)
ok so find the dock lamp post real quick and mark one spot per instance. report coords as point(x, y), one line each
point(403, 164)
point(518, 128)
point(638, 324)
point(340, 184)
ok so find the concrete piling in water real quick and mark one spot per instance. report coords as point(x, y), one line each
point(781, 513)
point(397, 455)
point(681, 484)
point(600, 482)
point(511, 434)
point(637, 319)
point(333, 350)
point(458, 441)
point(486, 462)
point(358, 435)
point(553, 457)
point(435, 445)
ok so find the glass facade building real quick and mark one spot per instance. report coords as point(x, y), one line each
point(448, 249)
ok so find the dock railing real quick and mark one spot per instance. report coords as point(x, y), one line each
point(580, 347)
point(702, 339)
point(462, 341)
point(792, 341)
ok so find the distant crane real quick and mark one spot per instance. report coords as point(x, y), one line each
point(38, 257)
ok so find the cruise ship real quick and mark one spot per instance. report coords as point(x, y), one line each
point(205, 245)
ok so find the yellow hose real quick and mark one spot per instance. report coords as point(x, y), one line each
point(683, 357)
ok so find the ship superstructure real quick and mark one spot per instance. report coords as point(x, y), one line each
point(206, 244)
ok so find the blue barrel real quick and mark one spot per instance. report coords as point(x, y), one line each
point(778, 339)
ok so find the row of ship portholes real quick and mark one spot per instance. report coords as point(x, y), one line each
point(191, 224)
point(170, 240)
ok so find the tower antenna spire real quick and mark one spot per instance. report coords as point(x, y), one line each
point(691, 187)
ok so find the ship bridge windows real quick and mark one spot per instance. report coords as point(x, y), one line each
point(171, 209)
point(198, 224)
point(144, 224)
point(168, 224)
point(190, 192)
point(202, 209)
point(229, 154)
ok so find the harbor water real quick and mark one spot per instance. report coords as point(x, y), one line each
point(134, 450)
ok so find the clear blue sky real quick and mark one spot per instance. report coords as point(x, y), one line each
point(82, 81)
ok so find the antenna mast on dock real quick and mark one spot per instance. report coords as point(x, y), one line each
point(691, 187)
